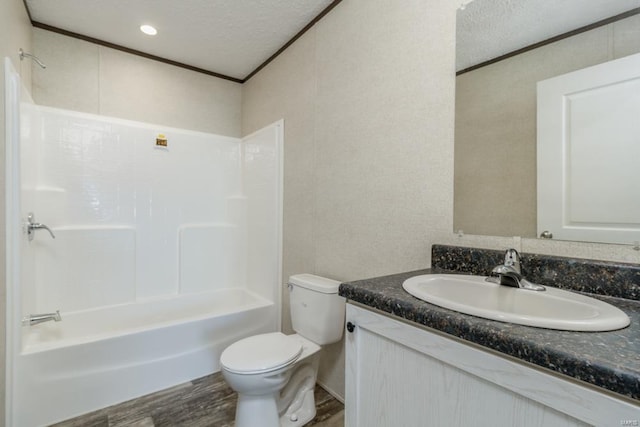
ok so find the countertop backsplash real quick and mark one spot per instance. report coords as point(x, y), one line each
point(621, 280)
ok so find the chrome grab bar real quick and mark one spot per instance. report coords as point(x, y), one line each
point(32, 226)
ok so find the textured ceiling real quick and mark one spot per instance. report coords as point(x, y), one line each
point(491, 28)
point(233, 37)
point(230, 37)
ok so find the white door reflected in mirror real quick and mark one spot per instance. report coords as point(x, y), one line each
point(588, 155)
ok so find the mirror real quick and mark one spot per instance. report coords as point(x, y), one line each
point(495, 131)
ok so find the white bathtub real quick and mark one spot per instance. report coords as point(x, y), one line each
point(96, 358)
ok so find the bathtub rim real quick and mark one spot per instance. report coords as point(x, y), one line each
point(26, 348)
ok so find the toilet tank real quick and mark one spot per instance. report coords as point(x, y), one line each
point(317, 311)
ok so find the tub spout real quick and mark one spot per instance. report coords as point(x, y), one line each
point(34, 319)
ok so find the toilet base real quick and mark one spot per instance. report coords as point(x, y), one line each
point(301, 416)
point(252, 411)
point(296, 402)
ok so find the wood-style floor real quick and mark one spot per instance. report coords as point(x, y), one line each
point(205, 402)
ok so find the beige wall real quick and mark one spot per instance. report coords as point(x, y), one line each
point(15, 33)
point(495, 148)
point(86, 77)
point(367, 99)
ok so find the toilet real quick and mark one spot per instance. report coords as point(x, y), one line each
point(275, 374)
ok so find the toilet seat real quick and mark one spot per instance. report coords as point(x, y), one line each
point(261, 353)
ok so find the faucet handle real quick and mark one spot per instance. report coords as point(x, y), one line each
point(512, 259)
point(32, 226)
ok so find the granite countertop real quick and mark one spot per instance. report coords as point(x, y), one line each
point(610, 360)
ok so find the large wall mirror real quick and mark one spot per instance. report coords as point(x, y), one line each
point(495, 191)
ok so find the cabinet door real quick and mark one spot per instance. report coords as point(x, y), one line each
point(400, 375)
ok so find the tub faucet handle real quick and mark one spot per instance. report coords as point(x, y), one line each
point(32, 226)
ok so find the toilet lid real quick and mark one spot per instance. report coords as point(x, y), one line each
point(261, 353)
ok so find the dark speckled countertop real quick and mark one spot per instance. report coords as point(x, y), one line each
point(610, 360)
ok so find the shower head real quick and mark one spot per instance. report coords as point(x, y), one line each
point(24, 54)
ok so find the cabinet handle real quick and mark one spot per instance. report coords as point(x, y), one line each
point(350, 326)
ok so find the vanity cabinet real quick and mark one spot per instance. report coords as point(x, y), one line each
point(400, 374)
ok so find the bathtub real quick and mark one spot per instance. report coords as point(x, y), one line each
point(96, 358)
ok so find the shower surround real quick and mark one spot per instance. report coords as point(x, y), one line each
point(163, 255)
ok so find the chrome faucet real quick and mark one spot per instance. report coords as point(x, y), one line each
point(34, 319)
point(32, 226)
point(510, 273)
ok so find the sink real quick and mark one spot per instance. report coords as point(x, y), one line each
point(552, 308)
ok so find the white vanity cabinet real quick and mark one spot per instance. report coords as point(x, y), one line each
point(398, 375)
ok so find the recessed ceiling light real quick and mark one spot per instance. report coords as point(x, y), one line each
point(148, 29)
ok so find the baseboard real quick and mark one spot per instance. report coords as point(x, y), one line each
point(331, 392)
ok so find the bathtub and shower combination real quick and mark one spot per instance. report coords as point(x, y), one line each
point(162, 257)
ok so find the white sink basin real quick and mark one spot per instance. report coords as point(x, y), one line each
point(552, 308)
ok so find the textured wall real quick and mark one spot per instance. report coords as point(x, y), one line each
point(367, 99)
point(83, 76)
point(15, 33)
point(495, 156)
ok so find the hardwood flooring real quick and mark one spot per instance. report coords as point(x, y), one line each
point(205, 402)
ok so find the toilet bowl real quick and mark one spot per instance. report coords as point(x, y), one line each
point(275, 374)
point(264, 366)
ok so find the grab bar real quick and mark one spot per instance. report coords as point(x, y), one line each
point(32, 226)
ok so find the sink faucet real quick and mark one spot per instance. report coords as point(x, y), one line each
point(510, 274)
